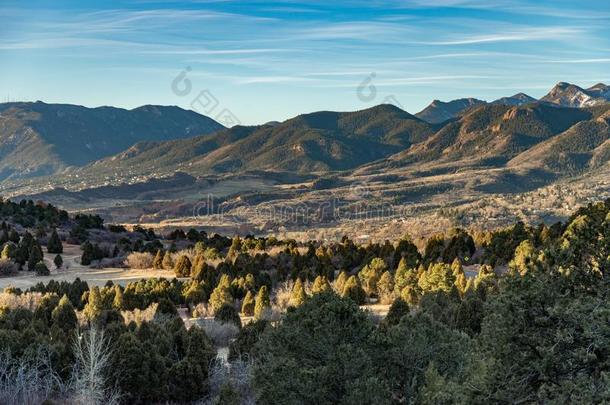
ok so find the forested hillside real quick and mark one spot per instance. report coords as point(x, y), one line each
point(515, 315)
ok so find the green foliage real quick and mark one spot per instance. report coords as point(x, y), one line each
point(326, 339)
point(168, 262)
point(58, 261)
point(262, 302)
point(221, 294)
point(371, 273)
point(354, 291)
point(438, 277)
point(320, 284)
point(247, 306)
point(158, 260)
point(298, 295)
point(94, 307)
point(397, 311)
point(41, 269)
point(35, 256)
point(63, 316)
point(182, 268)
point(228, 314)
point(54, 244)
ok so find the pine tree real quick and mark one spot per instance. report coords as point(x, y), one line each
point(385, 287)
point(298, 295)
point(117, 302)
point(54, 245)
point(13, 236)
point(320, 284)
point(262, 302)
point(9, 251)
point(353, 290)
point(3, 237)
point(247, 306)
point(158, 260)
point(58, 261)
point(64, 316)
point(221, 294)
point(94, 306)
point(228, 314)
point(182, 268)
point(370, 274)
point(340, 282)
point(87, 256)
point(168, 262)
point(398, 309)
point(35, 255)
point(41, 269)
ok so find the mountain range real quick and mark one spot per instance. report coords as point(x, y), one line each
point(41, 139)
point(470, 146)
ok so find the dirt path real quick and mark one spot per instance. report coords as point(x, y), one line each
point(73, 269)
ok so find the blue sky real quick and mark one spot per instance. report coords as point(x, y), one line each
point(267, 61)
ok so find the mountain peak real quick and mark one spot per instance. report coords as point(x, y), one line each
point(516, 100)
point(440, 111)
point(571, 95)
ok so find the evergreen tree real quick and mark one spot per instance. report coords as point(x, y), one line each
point(398, 309)
point(13, 236)
point(182, 268)
point(353, 290)
point(4, 237)
point(58, 261)
point(54, 245)
point(41, 269)
point(228, 314)
point(9, 251)
point(88, 254)
point(247, 306)
point(117, 302)
point(340, 282)
point(262, 302)
point(94, 306)
point(221, 294)
point(370, 274)
point(320, 284)
point(63, 316)
point(298, 295)
point(227, 395)
point(385, 287)
point(438, 278)
point(168, 262)
point(35, 255)
point(158, 260)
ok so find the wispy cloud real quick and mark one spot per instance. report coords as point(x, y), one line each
point(525, 34)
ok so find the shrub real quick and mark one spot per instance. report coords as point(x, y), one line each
point(228, 314)
point(54, 244)
point(8, 267)
point(58, 261)
point(220, 333)
point(41, 269)
point(182, 267)
point(138, 260)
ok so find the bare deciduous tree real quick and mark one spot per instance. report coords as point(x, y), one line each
point(89, 383)
point(28, 379)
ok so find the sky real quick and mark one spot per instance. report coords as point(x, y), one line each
point(250, 62)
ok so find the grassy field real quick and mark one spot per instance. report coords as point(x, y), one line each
point(73, 269)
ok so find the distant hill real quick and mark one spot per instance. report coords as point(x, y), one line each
point(440, 111)
point(571, 95)
point(585, 145)
point(320, 141)
point(491, 134)
point(517, 99)
point(40, 139)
